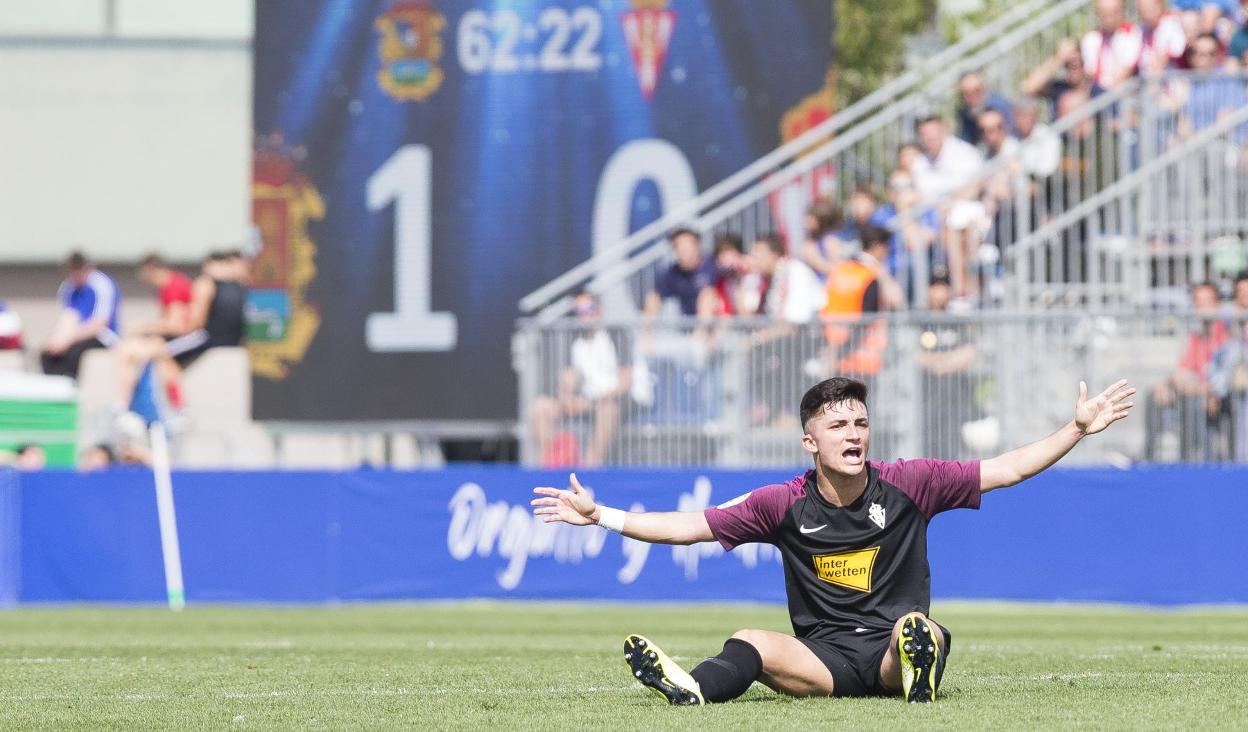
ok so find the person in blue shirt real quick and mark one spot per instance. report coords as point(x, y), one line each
point(90, 302)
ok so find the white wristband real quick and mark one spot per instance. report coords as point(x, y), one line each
point(611, 519)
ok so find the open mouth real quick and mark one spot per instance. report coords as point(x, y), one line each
point(852, 455)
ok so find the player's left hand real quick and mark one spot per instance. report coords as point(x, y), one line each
point(1095, 414)
point(574, 506)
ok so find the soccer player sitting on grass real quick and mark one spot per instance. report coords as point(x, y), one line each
point(853, 535)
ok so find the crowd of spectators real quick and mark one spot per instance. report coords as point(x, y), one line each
point(195, 315)
point(937, 233)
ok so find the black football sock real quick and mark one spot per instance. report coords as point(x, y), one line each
point(729, 674)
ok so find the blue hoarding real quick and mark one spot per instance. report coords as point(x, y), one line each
point(420, 166)
point(1155, 535)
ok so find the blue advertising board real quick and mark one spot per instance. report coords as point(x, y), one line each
point(1149, 535)
point(420, 166)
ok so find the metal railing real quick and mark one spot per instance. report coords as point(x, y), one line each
point(1124, 202)
point(951, 386)
point(856, 145)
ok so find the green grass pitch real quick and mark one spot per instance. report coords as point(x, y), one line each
point(530, 666)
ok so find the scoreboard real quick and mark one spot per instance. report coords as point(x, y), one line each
point(420, 166)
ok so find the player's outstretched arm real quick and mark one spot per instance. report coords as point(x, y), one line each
point(1091, 416)
point(576, 506)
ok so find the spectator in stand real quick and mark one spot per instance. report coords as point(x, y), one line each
point(859, 286)
point(1185, 394)
point(730, 267)
point(1002, 150)
point(96, 457)
point(977, 99)
point(911, 231)
point(1163, 39)
point(1040, 149)
point(946, 357)
point(90, 303)
point(215, 318)
point(788, 292)
point(590, 387)
point(1238, 45)
point(173, 291)
point(1063, 71)
point(824, 244)
point(689, 280)
point(948, 171)
point(1111, 52)
point(1216, 92)
point(1205, 16)
point(785, 288)
point(862, 206)
point(10, 329)
point(30, 457)
point(1228, 376)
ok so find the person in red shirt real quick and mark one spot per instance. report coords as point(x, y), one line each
point(1185, 394)
point(173, 289)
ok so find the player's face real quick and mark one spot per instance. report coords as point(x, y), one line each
point(839, 436)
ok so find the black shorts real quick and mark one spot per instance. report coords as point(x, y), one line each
point(854, 659)
point(186, 348)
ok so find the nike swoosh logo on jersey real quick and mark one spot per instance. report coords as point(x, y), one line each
point(860, 630)
point(805, 530)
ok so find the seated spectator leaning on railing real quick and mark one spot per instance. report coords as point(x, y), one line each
point(592, 386)
point(1185, 394)
point(90, 303)
point(975, 100)
point(1063, 71)
point(1209, 95)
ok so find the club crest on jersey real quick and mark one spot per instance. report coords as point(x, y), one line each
point(876, 514)
point(847, 569)
point(410, 46)
point(648, 31)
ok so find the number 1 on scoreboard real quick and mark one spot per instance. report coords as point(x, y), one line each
point(404, 180)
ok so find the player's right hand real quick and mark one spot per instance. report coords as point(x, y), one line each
point(574, 506)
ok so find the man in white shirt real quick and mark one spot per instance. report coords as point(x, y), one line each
point(591, 386)
point(947, 173)
point(1111, 53)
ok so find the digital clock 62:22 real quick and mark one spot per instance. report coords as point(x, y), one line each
point(500, 42)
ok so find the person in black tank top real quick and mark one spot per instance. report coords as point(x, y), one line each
point(853, 537)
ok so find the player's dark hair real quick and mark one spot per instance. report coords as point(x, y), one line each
point(1241, 277)
point(772, 241)
point(76, 260)
point(682, 231)
point(835, 390)
point(152, 260)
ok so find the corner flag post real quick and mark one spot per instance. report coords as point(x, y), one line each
point(168, 520)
